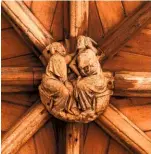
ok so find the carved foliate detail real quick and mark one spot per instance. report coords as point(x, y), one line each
point(83, 98)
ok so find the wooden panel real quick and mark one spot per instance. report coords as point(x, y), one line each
point(111, 14)
point(137, 101)
point(26, 99)
point(45, 140)
point(4, 23)
point(44, 11)
point(57, 23)
point(27, 60)
point(12, 45)
point(125, 61)
point(140, 42)
point(96, 141)
point(95, 26)
point(28, 148)
point(139, 114)
point(66, 20)
point(131, 6)
point(116, 148)
point(10, 114)
point(21, 76)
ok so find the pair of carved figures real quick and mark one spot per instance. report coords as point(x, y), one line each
point(79, 100)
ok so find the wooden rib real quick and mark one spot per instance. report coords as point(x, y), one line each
point(24, 129)
point(136, 84)
point(79, 11)
point(74, 134)
point(124, 131)
point(21, 79)
point(26, 21)
point(21, 76)
point(125, 30)
point(125, 83)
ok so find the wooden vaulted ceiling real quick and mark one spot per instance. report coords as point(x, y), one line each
point(135, 55)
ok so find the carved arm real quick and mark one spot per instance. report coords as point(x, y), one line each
point(73, 66)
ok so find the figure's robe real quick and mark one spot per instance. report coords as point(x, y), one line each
point(93, 85)
point(53, 82)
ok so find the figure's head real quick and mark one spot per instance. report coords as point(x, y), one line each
point(57, 47)
point(84, 42)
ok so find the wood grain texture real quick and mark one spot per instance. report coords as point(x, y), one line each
point(56, 28)
point(139, 114)
point(127, 132)
point(111, 14)
point(132, 6)
point(28, 148)
point(21, 76)
point(133, 81)
point(96, 141)
point(44, 11)
point(95, 30)
point(11, 113)
point(18, 89)
point(124, 131)
point(125, 61)
point(122, 33)
point(140, 43)
point(25, 98)
point(45, 140)
point(28, 60)
point(30, 25)
point(125, 82)
point(116, 148)
point(12, 45)
point(66, 20)
point(4, 23)
point(24, 129)
point(79, 12)
point(74, 134)
point(24, 37)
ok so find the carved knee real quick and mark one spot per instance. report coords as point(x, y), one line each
point(65, 93)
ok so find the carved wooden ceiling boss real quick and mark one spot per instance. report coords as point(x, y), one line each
point(83, 98)
point(74, 88)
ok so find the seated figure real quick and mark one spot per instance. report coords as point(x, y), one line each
point(55, 89)
point(91, 85)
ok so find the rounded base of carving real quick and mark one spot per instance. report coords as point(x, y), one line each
point(82, 116)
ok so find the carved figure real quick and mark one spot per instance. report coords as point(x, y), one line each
point(87, 96)
point(91, 88)
point(54, 83)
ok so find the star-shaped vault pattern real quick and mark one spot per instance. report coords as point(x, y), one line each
point(113, 31)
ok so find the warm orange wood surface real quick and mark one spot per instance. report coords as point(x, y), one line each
point(135, 55)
